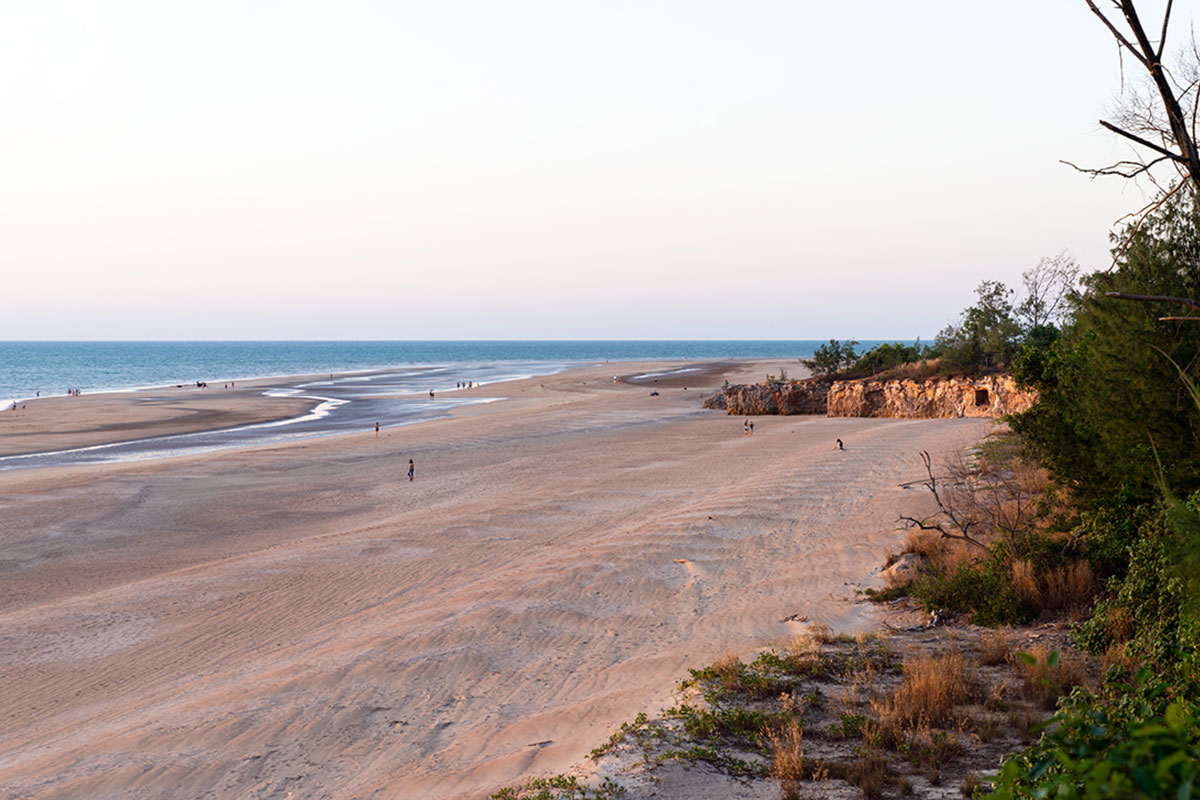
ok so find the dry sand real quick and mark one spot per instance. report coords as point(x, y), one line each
point(302, 621)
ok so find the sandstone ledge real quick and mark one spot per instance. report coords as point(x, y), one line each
point(981, 396)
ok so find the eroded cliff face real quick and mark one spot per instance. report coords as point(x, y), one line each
point(757, 399)
point(986, 396)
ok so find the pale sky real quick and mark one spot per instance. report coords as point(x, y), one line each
point(448, 169)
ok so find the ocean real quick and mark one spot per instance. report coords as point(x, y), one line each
point(51, 368)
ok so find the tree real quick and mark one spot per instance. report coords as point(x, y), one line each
point(1144, 120)
point(832, 358)
point(1048, 284)
point(987, 333)
point(1112, 413)
point(1167, 112)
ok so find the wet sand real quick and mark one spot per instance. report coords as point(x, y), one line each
point(303, 620)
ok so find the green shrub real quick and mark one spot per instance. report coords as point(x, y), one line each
point(888, 356)
point(984, 591)
point(1114, 746)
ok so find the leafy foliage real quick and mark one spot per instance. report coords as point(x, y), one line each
point(883, 357)
point(832, 358)
point(987, 334)
point(1112, 414)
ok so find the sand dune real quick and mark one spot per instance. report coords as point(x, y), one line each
point(302, 621)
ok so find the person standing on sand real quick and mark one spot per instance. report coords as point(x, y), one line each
point(411, 469)
point(746, 428)
point(751, 428)
point(376, 428)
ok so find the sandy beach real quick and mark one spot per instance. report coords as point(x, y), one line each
point(303, 621)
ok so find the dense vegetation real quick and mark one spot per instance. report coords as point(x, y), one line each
point(986, 337)
point(1117, 424)
point(1112, 532)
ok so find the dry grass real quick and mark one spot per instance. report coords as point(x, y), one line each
point(995, 647)
point(997, 697)
point(1069, 587)
point(729, 668)
point(802, 651)
point(1032, 478)
point(940, 552)
point(857, 681)
point(1043, 683)
point(932, 686)
point(787, 758)
point(920, 371)
point(1025, 582)
point(869, 772)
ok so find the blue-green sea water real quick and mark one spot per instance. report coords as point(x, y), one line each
point(51, 368)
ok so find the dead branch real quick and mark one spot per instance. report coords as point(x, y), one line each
point(1175, 130)
point(1143, 142)
point(957, 521)
point(1154, 298)
point(1120, 37)
point(1122, 169)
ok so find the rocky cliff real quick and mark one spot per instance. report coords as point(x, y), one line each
point(796, 397)
point(984, 396)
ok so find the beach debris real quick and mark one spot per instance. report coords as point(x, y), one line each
point(682, 561)
point(540, 744)
point(795, 618)
point(939, 616)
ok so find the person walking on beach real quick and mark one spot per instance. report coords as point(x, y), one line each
point(751, 428)
point(376, 428)
point(746, 428)
point(411, 469)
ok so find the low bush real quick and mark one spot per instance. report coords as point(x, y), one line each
point(983, 591)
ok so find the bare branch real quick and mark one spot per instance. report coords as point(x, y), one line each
point(925, 526)
point(1162, 37)
point(1116, 33)
point(1135, 168)
point(1165, 152)
point(1179, 319)
point(1154, 298)
point(963, 525)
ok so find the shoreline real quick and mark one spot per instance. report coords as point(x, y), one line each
point(301, 617)
point(259, 407)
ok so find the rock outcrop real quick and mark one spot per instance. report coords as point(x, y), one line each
point(796, 397)
point(983, 396)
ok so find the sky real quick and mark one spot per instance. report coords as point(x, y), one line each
point(544, 169)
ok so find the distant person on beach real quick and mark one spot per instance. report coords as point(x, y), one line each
point(746, 428)
point(411, 469)
point(840, 446)
point(751, 428)
point(376, 428)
